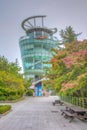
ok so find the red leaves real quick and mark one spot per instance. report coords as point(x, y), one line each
point(69, 85)
point(54, 60)
point(75, 58)
point(68, 61)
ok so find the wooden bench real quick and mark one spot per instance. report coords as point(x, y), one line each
point(82, 117)
point(67, 114)
point(75, 112)
point(80, 113)
point(57, 102)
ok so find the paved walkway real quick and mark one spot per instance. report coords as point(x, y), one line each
point(38, 113)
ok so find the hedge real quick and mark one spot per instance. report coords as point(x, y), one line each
point(4, 108)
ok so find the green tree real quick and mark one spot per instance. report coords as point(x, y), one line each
point(11, 80)
point(68, 35)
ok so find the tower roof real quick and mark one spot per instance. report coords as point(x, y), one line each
point(36, 23)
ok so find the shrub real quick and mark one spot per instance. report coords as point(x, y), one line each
point(13, 97)
point(29, 92)
point(4, 108)
point(2, 98)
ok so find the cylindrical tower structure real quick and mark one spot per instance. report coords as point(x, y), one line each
point(36, 46)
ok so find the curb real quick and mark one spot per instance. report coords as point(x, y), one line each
point(5, 113)
point(14, 101)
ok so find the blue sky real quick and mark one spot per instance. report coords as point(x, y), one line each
point(60, 13)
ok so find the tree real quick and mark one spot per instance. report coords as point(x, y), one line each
point(68, 35)
point(3, 64)
point(11, 81)
point(68, 74)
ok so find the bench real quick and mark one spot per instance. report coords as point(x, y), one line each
point(82, 117)
point(67, 114)
point(57, 102)
point(79, 112)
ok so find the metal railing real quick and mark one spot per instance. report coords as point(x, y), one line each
point(82, 102)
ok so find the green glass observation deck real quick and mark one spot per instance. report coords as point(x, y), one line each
point(36, 46)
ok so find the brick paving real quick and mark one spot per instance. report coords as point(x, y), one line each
point(38, 113)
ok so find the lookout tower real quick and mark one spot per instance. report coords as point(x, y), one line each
point(36, 47)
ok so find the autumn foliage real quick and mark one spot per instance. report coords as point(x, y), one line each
point(70, 67)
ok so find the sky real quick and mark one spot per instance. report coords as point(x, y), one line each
point(60, 13)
